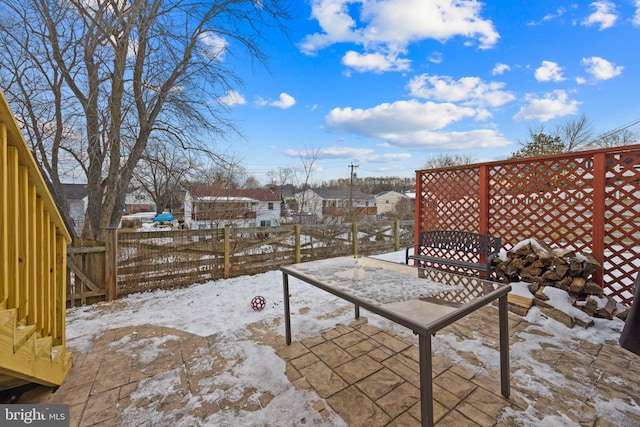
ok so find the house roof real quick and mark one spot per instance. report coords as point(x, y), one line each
point(382, 194)
point(75, 191)
point(262, 195)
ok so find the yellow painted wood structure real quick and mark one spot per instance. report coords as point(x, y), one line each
point(33, 246)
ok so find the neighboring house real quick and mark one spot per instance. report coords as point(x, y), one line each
point(77, 199)
point(323, 203)
point(215, 208)
point(387, 201)
point(138, 200)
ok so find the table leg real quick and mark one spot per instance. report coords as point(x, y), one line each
point(357, 311)
point(287, 313)
point(426, 384)
point(504, 346)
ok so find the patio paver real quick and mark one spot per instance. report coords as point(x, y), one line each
point(368, 376)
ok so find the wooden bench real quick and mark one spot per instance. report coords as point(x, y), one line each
point(458, 249)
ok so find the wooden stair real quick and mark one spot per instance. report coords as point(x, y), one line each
point(26, 357)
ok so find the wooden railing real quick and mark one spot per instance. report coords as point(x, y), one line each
point(168, 259)
point(33, 237)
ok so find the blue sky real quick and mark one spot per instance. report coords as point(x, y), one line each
point(387, 85)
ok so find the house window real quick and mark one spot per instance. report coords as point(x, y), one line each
point(270, 206)
point(387, 201)
point(265, 223)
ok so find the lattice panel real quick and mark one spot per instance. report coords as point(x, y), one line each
point(550, 200)
point(450, 200)
point(622, 223)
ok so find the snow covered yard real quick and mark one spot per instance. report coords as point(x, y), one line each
point(240, 373)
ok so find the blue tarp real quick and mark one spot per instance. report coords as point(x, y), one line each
point(163, 217)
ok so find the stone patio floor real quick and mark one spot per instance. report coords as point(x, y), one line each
point(366, 375)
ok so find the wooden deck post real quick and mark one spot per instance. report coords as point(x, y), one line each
point(599, 207)
point(227, 253)
point(111, 264)
point(4, 208)
point(354, 238)
point(296, 229)
point(396, 235)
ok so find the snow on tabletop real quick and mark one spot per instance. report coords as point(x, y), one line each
point(373, 283)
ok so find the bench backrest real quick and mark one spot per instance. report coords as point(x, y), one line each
point(460, 241)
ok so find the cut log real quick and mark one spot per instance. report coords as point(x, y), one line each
point(520, 300)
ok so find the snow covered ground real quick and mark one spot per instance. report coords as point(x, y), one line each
point(222, 307)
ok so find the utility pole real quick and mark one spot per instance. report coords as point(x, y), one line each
point(352, 166)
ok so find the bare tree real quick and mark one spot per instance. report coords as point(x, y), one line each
point(571, 135)
point(161, 173)
point(302, 176)
point(616, 138)
point(449, 160)
point(404, 210)
point(219, 176)
point(283, 178)
point(251, 182)
point(574, 134)
point(93, 81)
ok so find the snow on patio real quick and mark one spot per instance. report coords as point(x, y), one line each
point(222, 308)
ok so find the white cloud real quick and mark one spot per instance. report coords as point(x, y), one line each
point(470, 91)
point(636, 16)
point(559, 12)
point(413, 124)
point(359, 154)
point(377, 62)
point(386, 158)
point(436, 57)
point(213, 46)
point(554, 104)
point(499, 69)
point(549, 72)
point(285, 101)
point(387, 118)
point(389, 26)
point(445, 141)
point(605, 14)
point(232, 98)
point(330, 153)
point(601, 69)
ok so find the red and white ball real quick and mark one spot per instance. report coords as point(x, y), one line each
point(258, 303)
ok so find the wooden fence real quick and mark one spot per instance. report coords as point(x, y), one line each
point(168, 259)
point(585, 201)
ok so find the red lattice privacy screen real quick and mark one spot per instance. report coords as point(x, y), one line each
point(588, 201)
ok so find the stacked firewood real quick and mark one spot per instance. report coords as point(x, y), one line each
point(534, 262)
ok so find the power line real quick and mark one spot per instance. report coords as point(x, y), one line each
point(615, 131)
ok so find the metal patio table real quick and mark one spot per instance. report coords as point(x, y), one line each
point(422, 299)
